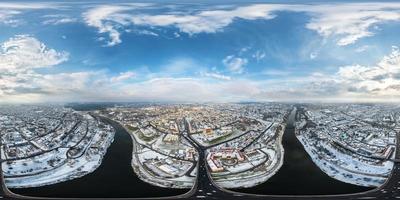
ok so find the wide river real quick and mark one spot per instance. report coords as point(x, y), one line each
point(115, 177)
point(298, 174)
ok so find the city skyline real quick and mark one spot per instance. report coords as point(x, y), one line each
point(199, 52)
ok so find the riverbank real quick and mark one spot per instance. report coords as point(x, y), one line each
point(114, 178)
point(299, 175)
point(269, 167)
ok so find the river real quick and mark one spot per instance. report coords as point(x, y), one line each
point(298, 174)
point(115, 177)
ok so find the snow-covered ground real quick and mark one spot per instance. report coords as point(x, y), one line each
point(350, 170)
point(154, 175)
point(56, 166)
point(252, 178)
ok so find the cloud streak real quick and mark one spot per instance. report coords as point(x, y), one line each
point(9, 10)
point(350, 22)
point(346, 22)
point(107, 18)
point(216, 76)
point(235, 64)
point(58, 19)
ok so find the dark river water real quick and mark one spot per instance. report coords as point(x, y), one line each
point(115, 177)
point(298, 174)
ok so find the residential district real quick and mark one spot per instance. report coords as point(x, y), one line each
point(42, 145)
point(241, 142)
point(354, 143)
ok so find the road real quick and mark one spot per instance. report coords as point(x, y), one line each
point(205, 188)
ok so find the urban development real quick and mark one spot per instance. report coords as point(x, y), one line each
point(241, 142)
point(42, 145)
point(351, 143)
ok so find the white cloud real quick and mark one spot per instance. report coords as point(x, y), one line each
point(19, 57)
point(27, 6)
point(146, 32)
point(216, 76)
point(347, 22)
point(97, 18)
point(170, 89)
point(259, 55)
point(362, 48)
point(108, 18)
point(235, 64)
point(9, 10)
point(58, 19)
point(189, 90)
point(66, 83)
point(382, 79)
point(244, 50)
point(313, 55)
point(123, 76)
point(378, 82)
point(24, 52)
point(209, 21)
point(20, 81)
point(275, 72)
point(6, 17)
point(350, 21)
point(22, 55)
point(178, 66)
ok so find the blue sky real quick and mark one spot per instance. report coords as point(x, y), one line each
point(199, 52)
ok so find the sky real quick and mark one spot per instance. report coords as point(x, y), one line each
point(199, 52)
